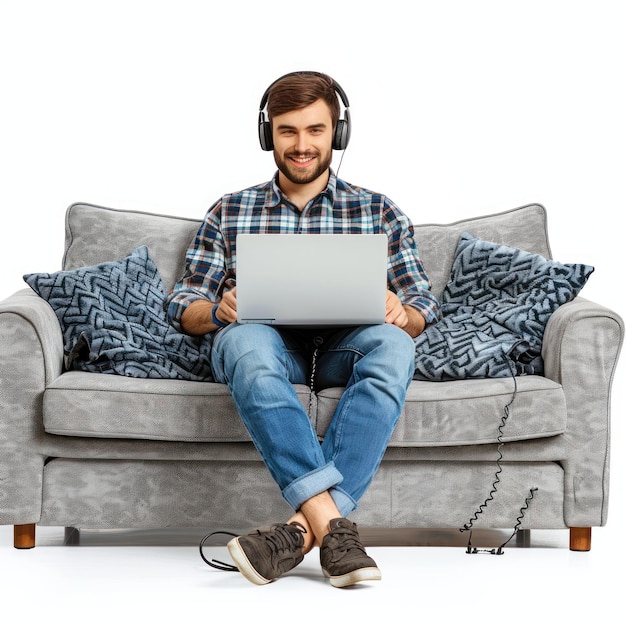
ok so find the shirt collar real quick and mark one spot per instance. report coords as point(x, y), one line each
point(274, 196)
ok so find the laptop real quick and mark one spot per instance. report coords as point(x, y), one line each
point(311, 280)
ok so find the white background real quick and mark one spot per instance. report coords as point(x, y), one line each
point(458, 109)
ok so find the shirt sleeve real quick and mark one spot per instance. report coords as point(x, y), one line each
point(407, 277)
point(205, 271)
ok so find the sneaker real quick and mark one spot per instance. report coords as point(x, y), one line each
point(343, 557)
point(264, 555)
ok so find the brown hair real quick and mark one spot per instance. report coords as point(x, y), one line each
point(301, 89)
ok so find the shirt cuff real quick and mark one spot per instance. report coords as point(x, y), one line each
point(428, 307)
point(176, 304)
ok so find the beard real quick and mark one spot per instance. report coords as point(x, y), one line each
point(300, 176)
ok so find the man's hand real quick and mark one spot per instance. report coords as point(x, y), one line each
point(197, 318)
point(405, 317)
point(227, 310)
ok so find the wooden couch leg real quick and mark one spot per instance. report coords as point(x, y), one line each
point(24, 536)
point(580, 539)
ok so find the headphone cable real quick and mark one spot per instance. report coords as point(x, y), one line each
point(340, 162)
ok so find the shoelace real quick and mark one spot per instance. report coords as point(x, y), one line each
point(225, 567)
point(349, 540)
point(285, 536)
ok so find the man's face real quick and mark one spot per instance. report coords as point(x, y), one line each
point(303, 142)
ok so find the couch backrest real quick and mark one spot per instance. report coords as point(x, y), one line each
point(94, 234)
point(524, 228)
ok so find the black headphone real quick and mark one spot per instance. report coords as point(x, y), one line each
point(342, 130)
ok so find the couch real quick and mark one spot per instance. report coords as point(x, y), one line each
point(89, 448)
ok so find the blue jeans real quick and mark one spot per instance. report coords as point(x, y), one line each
point(260, 364)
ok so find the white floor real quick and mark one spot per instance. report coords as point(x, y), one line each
point(159, 578)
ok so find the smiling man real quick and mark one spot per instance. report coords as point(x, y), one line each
point(301, 149)
point(322, 481)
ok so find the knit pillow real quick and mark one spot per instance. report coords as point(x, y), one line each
point(495, 308)
point(113, 321)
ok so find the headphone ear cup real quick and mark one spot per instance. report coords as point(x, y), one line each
point(342, 133)
point(265, 134)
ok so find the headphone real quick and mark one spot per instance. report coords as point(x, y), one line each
point(342, 130)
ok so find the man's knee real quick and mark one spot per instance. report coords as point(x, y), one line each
point(241, 338)
point(394, 339)
point(246, 345)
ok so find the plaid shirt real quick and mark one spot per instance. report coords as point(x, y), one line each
point(340, 208)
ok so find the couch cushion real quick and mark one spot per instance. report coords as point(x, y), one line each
point(466, 412)
point(113, 321)
point(103, 405)
point(495, 309)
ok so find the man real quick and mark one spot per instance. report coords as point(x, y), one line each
point(260, 363)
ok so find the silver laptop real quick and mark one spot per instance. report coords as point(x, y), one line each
point(311, 280)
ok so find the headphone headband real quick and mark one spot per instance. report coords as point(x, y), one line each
point(342, 130)
point(336, 86)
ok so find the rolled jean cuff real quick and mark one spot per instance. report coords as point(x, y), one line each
point(309, 485)
point(343, 501)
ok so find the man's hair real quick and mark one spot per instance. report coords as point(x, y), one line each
point(301, 89)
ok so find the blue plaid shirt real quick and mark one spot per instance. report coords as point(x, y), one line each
point(340, 208)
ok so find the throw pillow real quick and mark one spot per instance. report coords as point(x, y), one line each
point(495, 308)
point(113, 321)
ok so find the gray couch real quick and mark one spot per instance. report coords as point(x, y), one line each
point(102, 451)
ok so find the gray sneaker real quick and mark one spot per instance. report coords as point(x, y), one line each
point(343, 557)
point(264, 555)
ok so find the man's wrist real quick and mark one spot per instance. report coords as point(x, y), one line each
point(417, 322)
point(214, 319)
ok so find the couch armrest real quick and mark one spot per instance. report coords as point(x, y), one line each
point(31, 355)
point(581, 347)
point(26, 309)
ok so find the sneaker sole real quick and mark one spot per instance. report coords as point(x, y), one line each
point(352, 578)
point(243, 564)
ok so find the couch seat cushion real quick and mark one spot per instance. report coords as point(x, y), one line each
point(453, 413)
point(83, 404)
point(468, 412)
